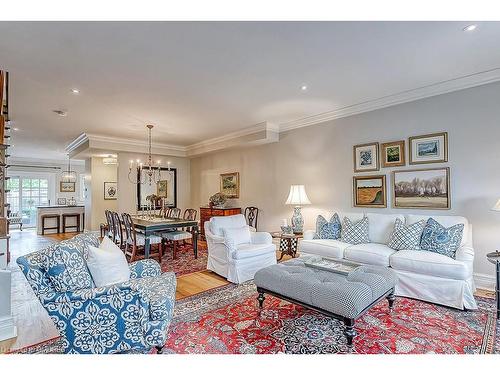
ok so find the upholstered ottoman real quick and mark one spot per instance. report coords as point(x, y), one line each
point(343, 297)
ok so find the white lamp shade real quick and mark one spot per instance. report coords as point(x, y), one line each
point(496, 207)
point(297, 196)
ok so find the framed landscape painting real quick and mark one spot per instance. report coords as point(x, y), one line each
point(162, 188)
point(230, 184)
point(393, 154)
point(422, 188)
point(369, 191)
point(430, 148)
point(366, 157)
point(67, 187)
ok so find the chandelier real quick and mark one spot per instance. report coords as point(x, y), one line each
point(145, 173)
point(68, 175)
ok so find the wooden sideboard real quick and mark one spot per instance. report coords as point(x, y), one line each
point(206, 213)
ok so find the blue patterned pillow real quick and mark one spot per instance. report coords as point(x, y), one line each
point(355, 233)
point(66, 266)
point(328, 230)
point(441, 240)
point(406, 237)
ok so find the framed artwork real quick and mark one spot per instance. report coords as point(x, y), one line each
point(162, 188)
point(110, 191)
point(369, 191)
point(422, 188)
point(230, 184)
point(61, 201)
point(366, 157)
point(167, 183)
point(393, 154)
point(429, 148)
point(67, 187)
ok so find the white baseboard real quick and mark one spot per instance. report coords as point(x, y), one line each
point(8, 329)
point(484, 281)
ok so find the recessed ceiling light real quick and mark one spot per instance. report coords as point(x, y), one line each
point(303, 87)
point(15, 129)
point(60, 113)
point(470, 28)
point(75, 91)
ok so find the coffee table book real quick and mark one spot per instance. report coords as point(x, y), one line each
point(342, 267)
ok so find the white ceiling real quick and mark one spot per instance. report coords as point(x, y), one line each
point(198, 80)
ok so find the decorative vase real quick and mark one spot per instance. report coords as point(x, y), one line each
point(297, 220)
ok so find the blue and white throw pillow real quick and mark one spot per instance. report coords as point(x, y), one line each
point(355, 233)
point(441, 240)
point(328, 230)
point(406, 237)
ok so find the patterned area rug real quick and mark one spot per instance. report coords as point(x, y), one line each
point(185, 262)
point(227, 320)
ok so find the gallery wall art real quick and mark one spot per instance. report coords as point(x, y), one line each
point(366, 157)
point(430, 148)
point(369, 191)
point(230, 184)
point(393, 154)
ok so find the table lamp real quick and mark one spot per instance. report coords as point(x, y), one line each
point(496, 207)
point(298, 198)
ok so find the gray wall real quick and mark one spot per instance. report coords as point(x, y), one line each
point(320, 157)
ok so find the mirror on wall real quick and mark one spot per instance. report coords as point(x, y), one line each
point(166, 188)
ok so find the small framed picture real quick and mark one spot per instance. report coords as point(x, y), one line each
point(110, 191)
point(421, 188)
point(230, 184)
point(366, 157)
point(429, 148)
point(61, 201)
point(162, 189)
point(369, 191)
point(393, 154)
point(67, 187)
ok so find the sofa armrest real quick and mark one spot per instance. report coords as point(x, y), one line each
point(309, 234)
point(213, 238)
point(83, 295)
point(465, 254)
point(144, 268)
point(252, 229)
point(261, 238)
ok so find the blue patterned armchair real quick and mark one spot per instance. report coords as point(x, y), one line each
point(116, 318)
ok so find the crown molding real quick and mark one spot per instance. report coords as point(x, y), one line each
point(444, 87)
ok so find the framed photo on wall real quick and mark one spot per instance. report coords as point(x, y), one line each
point(422, 188)
point(61, 201)
point(230, 184)
point(366, 157)
point(393, 154)
point(369, 191)
point(429, 148)
point(110, 191)
point(67, 187)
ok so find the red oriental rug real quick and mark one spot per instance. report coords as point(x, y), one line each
point(227, 320)
point(185, 261)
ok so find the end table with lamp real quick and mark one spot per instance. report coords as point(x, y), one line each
point(297, 197)
point(494, 257)
point(289, 243)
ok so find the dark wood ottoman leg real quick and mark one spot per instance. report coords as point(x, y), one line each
point(349, 330)
point(261, 299)
point(391, 298)
point(159, 349)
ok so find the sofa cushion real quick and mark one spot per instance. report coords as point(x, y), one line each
point(328, 229)
point(441, 240)
point(66, 266)
point(326, 248)
point(428, 263)
point(219, 222)
point(245, 251)
point(406, 237)
point(355, 232)
point(446, 221)
point(381, 225)
point(369, 253)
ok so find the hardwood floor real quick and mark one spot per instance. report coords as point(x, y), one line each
point(33, 322)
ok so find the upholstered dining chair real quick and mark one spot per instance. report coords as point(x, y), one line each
point(118, 237)
point(133, 315)
point(251, 216)
point(135, 242)
point(174, 238)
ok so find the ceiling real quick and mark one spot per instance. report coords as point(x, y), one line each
point(199, 80)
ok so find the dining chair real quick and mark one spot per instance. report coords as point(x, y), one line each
point(251, 215)
point(117, 230)
point(135, 242)
point(175, 213)
point(165, 212)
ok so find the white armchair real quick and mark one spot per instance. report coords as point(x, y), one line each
point(237, 261)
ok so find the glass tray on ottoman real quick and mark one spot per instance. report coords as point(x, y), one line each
point(339, 266)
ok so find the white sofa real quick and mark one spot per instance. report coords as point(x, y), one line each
point(422, 275)
point(237, 263)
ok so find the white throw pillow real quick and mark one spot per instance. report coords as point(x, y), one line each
point(237, 236)
point(107, 264)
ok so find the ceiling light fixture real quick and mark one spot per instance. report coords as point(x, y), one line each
point(60, 113)
point(75, 91)
point(150, 172)
point(68, 175)
point(303, 87)
point(470, 28)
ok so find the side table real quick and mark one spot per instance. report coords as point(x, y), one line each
point(494, 257)
point(288, 243)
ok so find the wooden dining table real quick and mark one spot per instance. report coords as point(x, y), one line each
point(151, 226)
